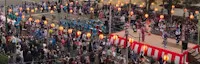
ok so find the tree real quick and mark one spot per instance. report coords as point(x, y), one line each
point(3, 59)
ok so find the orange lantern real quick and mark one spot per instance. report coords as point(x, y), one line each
point(165, 57)
point(152, 3)
point(32, 10)
point(16, 14)
point(28, 9)
point(101, 36)
point(146, 15)
point(37, 21)
point(41, 8)
point(130, 40)
point(191, 16)
point(173, 6)
point(71, 11)
point(119, 9)
point(20, 8)
point(141, 6)
point(144, 48)
point(115, 37)
point(117, 5)
point(61, 28)
point(172, 11)
point(30, 19)
point(122, 4)
point(9, 10)
point(23, 16)
point(88, 35)
point(54, 7)
point(70, 31)
point(36, 9)
point(78, 33)
point(161, 16)
point(49, 8)
point(52, 25)
point(156, 9)
point(45, 22)
point(91, 9)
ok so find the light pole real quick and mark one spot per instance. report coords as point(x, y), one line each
point(6, 13)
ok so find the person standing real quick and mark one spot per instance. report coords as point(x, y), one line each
point(178, 33)
point(165, 36)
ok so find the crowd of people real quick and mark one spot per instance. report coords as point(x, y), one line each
point(36, 42)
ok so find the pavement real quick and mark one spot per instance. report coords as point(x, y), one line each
point(156, 40)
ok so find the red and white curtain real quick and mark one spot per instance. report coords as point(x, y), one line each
point(151, 51)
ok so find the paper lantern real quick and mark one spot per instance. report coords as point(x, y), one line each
point(52, 25)
point(117, 5)
point(122, 4)
point(134, 3)
point(36, 9)
point(173, 6)
point(37, 21)
point(119, 9)
point(146, 15)
point(61, 28)
point(41, 8)
point(156, 9)
point(71, 11)
point(45, 22)
point(115, 37)
point(54, 7)
point(16, 14)
point(30, 19)
point(32, 10)
point(70, 31)
point(144, 48)
point(78, 33)
point(9, 10)
point(88, 35)
point(23, 16)
point(161, 16)
point(91, 9)
point(191, 16)
point(101, 36)
point(20, 9)
point(172, 11)
point(130, 40)
point(49, 8)
point(28, 9)
point(152, 3)
point(141, 6)
point(165, 57)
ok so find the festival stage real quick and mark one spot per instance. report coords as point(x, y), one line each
point(155, 47)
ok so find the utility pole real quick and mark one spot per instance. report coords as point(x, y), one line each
point(198, 29)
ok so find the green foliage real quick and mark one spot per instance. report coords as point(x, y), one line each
point(3, 59)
